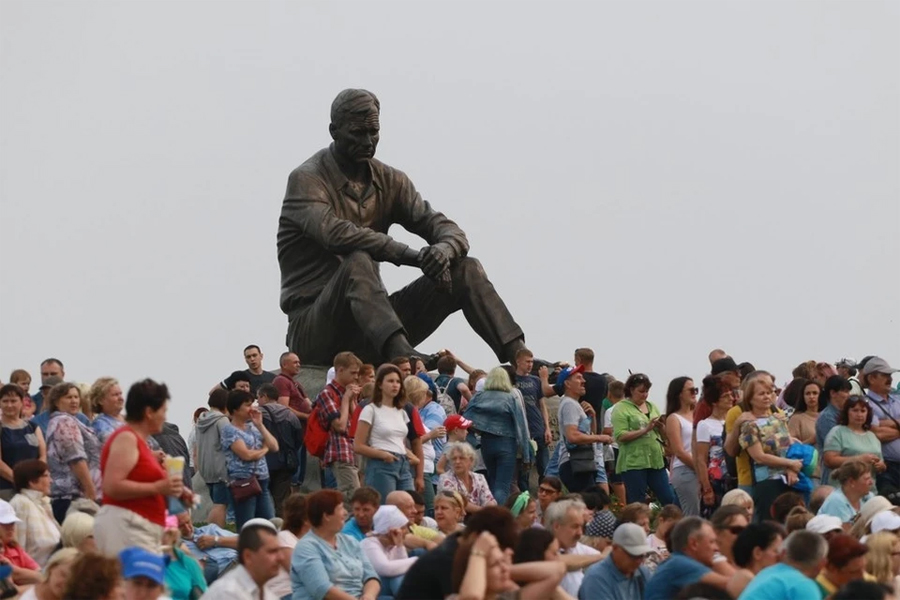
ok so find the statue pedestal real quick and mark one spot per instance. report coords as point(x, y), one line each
point(312, 378)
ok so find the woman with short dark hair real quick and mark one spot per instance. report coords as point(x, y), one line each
point(327, 562)
point(638, 429)
point(135, 484)
point(756, 547)
point(73, 451)
point(38, 532)
point(19, 439)
point(246, 441)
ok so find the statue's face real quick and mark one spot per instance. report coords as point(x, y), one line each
point(356, 138)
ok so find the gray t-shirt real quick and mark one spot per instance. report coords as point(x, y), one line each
point(571, 413)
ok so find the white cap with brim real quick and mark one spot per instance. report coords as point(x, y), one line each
point(632, 539)
point(886, 521)
point(7, 514)
point(822, 524)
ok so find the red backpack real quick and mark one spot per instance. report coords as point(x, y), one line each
point(316, 436)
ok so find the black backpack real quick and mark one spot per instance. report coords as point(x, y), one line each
point(286, 428)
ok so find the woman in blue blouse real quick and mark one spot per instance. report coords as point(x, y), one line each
point(107, 402)
point(246, 441)
point(326, 561)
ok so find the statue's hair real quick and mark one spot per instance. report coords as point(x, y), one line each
point(351, 102)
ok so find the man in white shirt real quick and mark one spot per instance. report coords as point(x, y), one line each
point(258, 553)
point(565, 519)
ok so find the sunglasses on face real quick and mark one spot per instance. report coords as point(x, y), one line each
point(735, 529)
point(546, 490)
point(694, 391)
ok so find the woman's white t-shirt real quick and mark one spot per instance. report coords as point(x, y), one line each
point(687, 432)
point(388, 427)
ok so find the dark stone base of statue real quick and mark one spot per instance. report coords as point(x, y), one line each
point(333, 233)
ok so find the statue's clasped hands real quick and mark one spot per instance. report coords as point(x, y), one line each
point(434, 261)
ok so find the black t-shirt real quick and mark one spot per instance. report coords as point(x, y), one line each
point(255, 380)
point(431, 577)
point(595, 390)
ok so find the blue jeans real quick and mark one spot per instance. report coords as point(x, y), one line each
point(258, 506)
point(387, 477)
point(499, 455)
point(552, 469)
point(638, 480)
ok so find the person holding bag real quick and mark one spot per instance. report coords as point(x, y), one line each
point(246, 441)
point(580, 457)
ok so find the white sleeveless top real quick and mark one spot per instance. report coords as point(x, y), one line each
point(687, 431)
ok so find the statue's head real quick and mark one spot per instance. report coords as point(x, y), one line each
point(354, 124)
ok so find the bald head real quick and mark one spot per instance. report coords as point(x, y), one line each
point(716, 355)
point(403, 501)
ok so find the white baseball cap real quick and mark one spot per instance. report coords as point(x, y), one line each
point(822, 524)
point(632, 539)
point(886, 521)
point(7, 514)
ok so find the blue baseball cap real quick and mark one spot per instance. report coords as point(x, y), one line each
point(138, 562)
point(431, 386)
point(565, 374)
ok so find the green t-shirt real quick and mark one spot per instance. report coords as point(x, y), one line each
point(645, 452)
point(843, 440)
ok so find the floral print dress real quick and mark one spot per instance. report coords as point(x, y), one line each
point(773, 436)
point(479, 495)
point(68, 441)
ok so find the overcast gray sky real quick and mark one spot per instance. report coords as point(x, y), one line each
point(651, 179)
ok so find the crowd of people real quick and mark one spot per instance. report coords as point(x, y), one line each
point(436, 485)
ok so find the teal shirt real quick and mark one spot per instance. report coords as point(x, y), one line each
point(645, 452)
point(780, 582)
point(182, 575)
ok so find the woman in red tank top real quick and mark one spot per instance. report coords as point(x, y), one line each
point(135, 484)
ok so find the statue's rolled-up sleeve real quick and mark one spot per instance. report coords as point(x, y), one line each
point(415, 215)
point(307, 210)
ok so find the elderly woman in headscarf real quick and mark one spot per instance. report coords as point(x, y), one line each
point(384, 547)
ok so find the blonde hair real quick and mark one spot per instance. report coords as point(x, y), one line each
point(98, 392)
point(415, 388)
point(498, 379)
point(63, 555)
point(738, 497)
point(75, 528)
point(878, 558)
point(748, 387)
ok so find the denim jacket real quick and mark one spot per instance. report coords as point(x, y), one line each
point(496, 413)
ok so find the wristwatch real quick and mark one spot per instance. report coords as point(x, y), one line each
point(216, 542)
